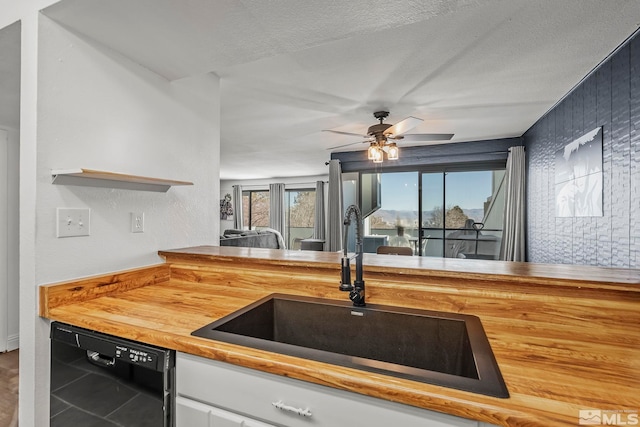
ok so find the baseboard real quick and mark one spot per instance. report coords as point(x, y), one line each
point(13, 342)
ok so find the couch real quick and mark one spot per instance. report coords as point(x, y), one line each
point(267, 238)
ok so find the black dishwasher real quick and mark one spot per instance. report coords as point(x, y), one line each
point(100, 380)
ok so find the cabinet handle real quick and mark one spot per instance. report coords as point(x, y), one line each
point(302, 412)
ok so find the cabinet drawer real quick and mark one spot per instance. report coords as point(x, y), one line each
point(190, 413)
point(293, 403)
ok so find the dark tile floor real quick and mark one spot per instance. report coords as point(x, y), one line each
point(9, 389)
point(92, 396)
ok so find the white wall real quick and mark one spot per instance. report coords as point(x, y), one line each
point(33, 353)
point(9, 170)
point(16, 10)
point(101, 111)
point(13, 240)
point(4, 247)
point(9, 247)
point(96, 109)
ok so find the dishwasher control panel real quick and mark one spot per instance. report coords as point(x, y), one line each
point(105, 347)
point(135, 355)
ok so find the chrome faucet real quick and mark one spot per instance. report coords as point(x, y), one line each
point(356, 291)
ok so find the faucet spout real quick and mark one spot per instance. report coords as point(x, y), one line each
point(356, 291)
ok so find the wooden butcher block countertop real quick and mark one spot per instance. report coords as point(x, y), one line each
point(566, 338)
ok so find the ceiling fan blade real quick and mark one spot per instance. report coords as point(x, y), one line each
point(419, 137)
point(346, 145)
point(345, 133)
point(403, 126)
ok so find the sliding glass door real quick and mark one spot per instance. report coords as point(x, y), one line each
point(395, 221)
point(300, 215)
point(432, 202)
point(461, 214)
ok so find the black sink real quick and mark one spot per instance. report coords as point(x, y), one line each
point(445, 349)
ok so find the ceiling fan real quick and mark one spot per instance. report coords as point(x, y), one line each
point(383, 136)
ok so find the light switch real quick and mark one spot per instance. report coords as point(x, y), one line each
point(73, 222)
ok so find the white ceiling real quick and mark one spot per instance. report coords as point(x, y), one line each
point(480, 69)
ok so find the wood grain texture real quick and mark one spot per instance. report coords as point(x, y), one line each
point(543, 274)
point(119, 177)
point(562, 343)
point(55, 295)
point(9, 388)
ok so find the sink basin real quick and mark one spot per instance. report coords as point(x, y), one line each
point(446, 349)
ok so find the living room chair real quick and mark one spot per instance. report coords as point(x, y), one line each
point(394, 250)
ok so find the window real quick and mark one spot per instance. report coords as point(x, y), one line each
point(300, 213)
point(397, 218)
point(300, 206)
point(255, 209)
point(440, 214)
point(462, 214)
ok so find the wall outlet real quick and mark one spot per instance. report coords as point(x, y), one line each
point(137, 222)
point(73, 222)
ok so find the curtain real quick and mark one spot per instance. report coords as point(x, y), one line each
point(276, 208)
point(334, 205)
point(318, 226)
point(513, 246)
point(238, 215)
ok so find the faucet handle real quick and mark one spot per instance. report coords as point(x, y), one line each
point(357, 297)
point(345, 276)
point(346, 287)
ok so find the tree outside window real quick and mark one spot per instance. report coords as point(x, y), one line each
point(450, 214)
point(300, 215)
point(255, 209)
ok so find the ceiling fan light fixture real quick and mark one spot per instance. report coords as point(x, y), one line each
point(393, 152)
point(379, 155)
point(382, 137)
point(371, 152)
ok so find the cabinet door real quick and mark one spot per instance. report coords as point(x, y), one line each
point(283, 401)
point(190, 413)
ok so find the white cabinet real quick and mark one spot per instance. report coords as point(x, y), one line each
point(195, 414)
point(212, 390)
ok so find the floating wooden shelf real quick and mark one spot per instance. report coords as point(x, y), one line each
point(94, 178)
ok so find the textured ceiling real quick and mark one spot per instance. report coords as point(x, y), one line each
point(480, 69)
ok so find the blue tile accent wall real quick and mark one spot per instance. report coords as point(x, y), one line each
point(634, 150)
point(609, 97)
point(487, 152)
